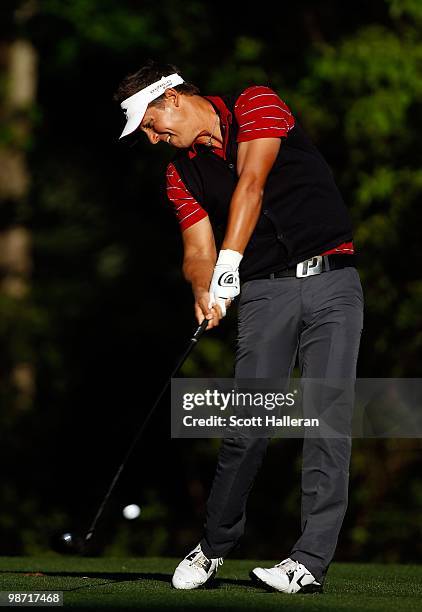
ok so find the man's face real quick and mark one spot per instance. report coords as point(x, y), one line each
point(170, 122)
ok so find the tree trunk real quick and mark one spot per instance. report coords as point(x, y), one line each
point(18, 60)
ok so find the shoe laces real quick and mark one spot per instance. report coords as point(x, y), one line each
point(201, 561)
point(288, 565)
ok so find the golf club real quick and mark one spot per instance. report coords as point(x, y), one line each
point(72, 543)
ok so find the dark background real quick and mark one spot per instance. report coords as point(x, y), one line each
point(94, 311)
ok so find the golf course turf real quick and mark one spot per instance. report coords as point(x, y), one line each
point(144, 583)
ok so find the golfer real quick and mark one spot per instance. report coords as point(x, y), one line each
point(261, 217)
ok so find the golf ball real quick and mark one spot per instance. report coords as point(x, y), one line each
point(131, 512)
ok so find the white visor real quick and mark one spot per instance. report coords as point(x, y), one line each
point(135, 106)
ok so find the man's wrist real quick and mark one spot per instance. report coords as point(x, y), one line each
point(199, 291)
point(230, 258)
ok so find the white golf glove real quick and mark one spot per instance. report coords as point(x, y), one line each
point(225, 283)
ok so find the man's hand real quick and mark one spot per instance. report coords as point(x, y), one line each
point(203, 310)
point(225, 283)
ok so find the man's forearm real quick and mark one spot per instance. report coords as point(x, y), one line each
point(245, 208)
point(198, 272)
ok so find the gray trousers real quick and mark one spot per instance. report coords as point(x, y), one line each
point(318, 319)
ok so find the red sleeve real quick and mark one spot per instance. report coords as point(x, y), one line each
point(187, 209)
point(260, 113)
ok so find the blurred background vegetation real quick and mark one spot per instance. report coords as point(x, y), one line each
point(84, 234)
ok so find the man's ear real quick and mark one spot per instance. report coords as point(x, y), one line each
point(172, 95)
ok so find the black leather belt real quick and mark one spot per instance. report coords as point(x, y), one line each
point(313, 265)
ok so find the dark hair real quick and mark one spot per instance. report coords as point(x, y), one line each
point(148, 74)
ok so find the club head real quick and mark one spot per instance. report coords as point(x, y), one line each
point(68, 543)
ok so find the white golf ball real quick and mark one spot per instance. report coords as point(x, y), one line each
point(131, 512)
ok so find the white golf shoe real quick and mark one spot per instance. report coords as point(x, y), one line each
point(289, 576)
point(195, 570)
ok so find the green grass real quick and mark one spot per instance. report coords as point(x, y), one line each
point(145, 584)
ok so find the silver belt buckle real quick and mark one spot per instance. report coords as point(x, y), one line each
point(309, 267)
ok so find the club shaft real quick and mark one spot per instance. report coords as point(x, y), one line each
point(193, 341)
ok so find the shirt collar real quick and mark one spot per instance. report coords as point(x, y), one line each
point(225, 120)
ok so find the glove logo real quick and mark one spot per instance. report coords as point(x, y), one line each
point(228, 279)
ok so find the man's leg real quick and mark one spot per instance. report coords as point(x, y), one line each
point(329, 345)
point(267, 344)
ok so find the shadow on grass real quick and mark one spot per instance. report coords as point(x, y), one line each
point(130, 577)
